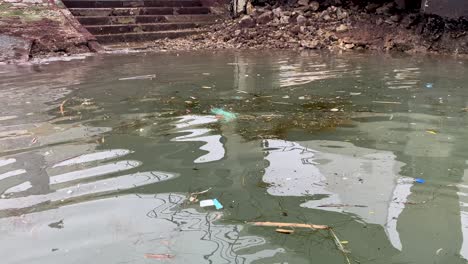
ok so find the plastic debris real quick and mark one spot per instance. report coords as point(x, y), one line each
point(334, 110)
point(206, 87)
point(419, 180)
point(433, 132)
point(206, 203)
point(429, 85)
point(141, 77)
point(438, 251)
point(211, 202)
point(217, 204)
point(354, 93)
point(225, 115)
point(284, 231)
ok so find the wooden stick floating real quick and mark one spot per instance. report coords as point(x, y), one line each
point(278, 224)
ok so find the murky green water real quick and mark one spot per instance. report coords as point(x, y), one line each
point(97, 166)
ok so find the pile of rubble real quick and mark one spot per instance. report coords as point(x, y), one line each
point(310, 25)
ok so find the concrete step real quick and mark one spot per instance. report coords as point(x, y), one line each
point(132, 28)
point(141, 3)
point(145, 36)
point(123, 20)
point(139, 11)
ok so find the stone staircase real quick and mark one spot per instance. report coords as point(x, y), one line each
point(116, 21)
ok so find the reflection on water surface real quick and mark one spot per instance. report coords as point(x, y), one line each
point(94, 168)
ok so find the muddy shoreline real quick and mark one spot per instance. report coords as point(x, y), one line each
point(301, 26)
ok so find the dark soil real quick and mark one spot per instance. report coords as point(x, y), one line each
point(49, 30)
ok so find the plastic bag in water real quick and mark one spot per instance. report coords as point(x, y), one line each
point(225, 115)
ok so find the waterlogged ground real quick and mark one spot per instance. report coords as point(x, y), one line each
point(99, 158)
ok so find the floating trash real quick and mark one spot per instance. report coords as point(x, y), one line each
point(419, 180)
point(225, 115)
point(211, 202)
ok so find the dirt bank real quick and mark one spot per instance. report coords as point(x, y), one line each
point(343, 26)
point(32, 28)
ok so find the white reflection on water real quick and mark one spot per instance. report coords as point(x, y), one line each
point(111, 184)
point(355, 180)
point(125, 229)
point(4, 162)
point(97, 156)
point(404, 78)
point(95, 171)
point(212, 145)
point(11, 173)
point(463, 197)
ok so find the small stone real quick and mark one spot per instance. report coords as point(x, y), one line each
point(340, 14)
point(249, 8)
point(310, 44)
point(265, 17)
point(296, 29)
point(326, 17)
point(247, 22)
point(395, 18)
point(301, 20)
point(379, 21)
point(385, 9)
point(314, 6)
point(277, 12)
point(284, 20)
point(303, 2)
point(349, 46)
point(342, 28)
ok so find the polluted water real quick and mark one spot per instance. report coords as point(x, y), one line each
point(235, 157)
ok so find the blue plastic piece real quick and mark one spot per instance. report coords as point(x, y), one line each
point(217, 204)
point(429, 85)
point(419, 180)
point(227, 116)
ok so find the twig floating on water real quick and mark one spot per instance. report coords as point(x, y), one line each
point(340, 246)
point(385, 102)
point(141, 77)
point(342, 205)
point(278, 224)
point(158, 256)
point(62, 105)
point(284, 231)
